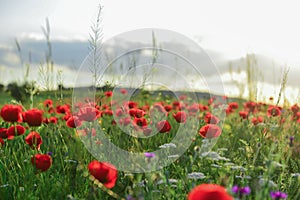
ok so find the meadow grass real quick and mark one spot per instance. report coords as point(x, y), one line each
point(261, 156)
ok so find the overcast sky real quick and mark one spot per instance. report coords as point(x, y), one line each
point(228, 28)
point(231, 27)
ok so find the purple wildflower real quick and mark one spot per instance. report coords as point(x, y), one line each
point(149, 155)
point(245, 190)
point(241, 191)
point(129, 197)
point(235, 189)
point(278, 195)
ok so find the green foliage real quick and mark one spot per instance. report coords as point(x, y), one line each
point(258, 156)
point(21, 92)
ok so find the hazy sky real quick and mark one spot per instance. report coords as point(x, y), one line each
point(231, 27)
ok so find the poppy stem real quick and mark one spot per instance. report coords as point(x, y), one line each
point(91, 141)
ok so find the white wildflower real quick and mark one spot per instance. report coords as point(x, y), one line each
point(214, 156)
point(236, 167)
point(277, 164)
point(69, 196)
point(222, 149)
point(173, 156)
point(270, 183)
point(196, 175)
point(216, 166)
point(71, 161)
point(243, 177)
point(167, 145)
point(3, 186)
point(170, 181)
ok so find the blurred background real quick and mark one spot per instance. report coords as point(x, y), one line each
point(253, 43)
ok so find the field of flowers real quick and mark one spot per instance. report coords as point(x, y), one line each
point(251, 153)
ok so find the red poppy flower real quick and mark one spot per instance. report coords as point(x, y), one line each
point(123, 91)
point(108, 93)
point(157, 111)
point(211, 101)
point(14, 131)
point(147, 131)
point(193, 109)
point(67, 116)
point(180, 117)
point(119, 112)
point(210, 131)
point(295, 108)
point(41, 162)
point(46, 121)
point(34, 140)
point(176, 105)
point(274, 111)
point(113, 122)
point(73, 122)
point(132, 104)
point(104, 172)
point(11, 113)
point(124, 121)
point(135, 112)
point(182, 97)
point(33, 117)
point(106, 112)
point(209, 192)
point(48, 103)
point(63, 109)
point(88, 114)
point(168, 108)
point(105, 107)
point(140, 122)
point(257, 120)
point(296, 116)
point(203, 107)
point(163, 126)
point(50, 110)
point(132, 112)
point(233, 105)
point(250, 106)
point(211, 119)
point(3, 133)
point(1, 142)
point(145, 108)
point(243, 114)
point(53, 120)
